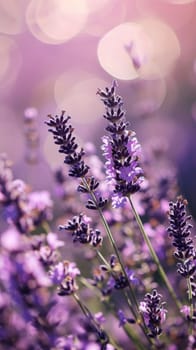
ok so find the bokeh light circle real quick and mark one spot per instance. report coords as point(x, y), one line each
point(56, 21)
point(113, 54)
point(33, 26)
point(146, 49)
point(166, 48)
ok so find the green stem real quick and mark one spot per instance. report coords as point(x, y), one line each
point(131, 334)
point(90, 318)
point(190, 296)
point(154, 256)
point(132, 301)
point(113, 244)
point(129, 331)
point(100, 255)
point(46, 226)
point(138, 321)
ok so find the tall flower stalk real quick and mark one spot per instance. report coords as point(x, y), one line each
point(63, 136)
point(122, 151)
point(180, 231)
point(125, 176)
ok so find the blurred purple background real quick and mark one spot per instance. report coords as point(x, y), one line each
point(54, 55)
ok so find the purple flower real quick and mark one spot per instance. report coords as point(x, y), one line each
point(53, 241)
point(123, 319)
point(57, 273)
point(63, 274)
point(63, 136)
point(186, 310)
point(39, 206)
point(39, 200)
point(180, 231)
point(82, 232)
point(120, 148)
point(153, 312)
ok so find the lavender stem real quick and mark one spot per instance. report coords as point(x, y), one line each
point(154, 255)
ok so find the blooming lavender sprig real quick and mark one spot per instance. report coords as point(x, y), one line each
point(153, 312)
point(63, 136)
point(120, 148)
point(82, 232)
point(23, 209)
point(64, 275)
point(26, 284)
point(110, 277)
point(180, 231)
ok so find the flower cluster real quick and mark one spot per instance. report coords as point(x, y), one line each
point(46, 248)
point(82, 232)
point(63, 274)
point(63, 137)
point(107, 298)
point(110, 277)
point(26, 210)
point(153, 312)
point(120, 148)
point(180, 231)
point(25, 299)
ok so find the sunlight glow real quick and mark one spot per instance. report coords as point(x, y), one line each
point(56, 21)
point(146, 49)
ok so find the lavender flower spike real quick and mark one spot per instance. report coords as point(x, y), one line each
point(63, 136)
point(63, 275)
point(120, 148)
point(180, 229)
point(153, 312)
point(185, 253)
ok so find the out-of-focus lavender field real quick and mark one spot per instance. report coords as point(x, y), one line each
point(97, 175)
point(55, 54)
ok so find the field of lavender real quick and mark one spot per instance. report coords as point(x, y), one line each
point(97, 175)
point(130, 283)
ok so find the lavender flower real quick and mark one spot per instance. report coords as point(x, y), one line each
point(24, 320)
point(110, 277)
point(153, 312)
point(120, 148)
point(46, 248)
point(25, 210)
point(63, 136)
point(63, 274)
point(123, 319)
point(180, 231)
point(82, 232)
